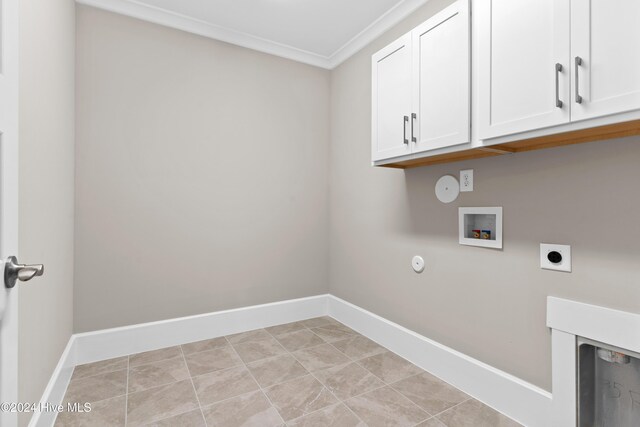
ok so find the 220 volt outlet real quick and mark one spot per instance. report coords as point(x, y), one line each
point(555, 257)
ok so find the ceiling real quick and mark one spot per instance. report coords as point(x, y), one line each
point(318, 32)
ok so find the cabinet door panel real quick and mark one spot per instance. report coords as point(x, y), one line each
point(521, 41)
point(605, 35)
point(391, 100)
point(441, 73)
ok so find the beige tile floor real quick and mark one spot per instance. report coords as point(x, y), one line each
point(316, 372)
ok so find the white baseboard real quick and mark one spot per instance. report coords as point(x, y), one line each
point(524, 402)
point(57, 386)
point(109, 343)
point(518, 399)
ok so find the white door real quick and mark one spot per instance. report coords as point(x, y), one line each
point(441, 76)
point(8, 203)
point(605, 57)
point(524, 77)
point(391, 100)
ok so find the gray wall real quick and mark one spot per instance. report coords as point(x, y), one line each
point(202, 184)
point(486, 303)
point(47, 44)
point(201, 174)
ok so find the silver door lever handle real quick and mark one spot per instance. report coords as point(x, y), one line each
point(23, 272)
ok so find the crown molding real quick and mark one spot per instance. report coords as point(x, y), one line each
point(191, 25)
point(178, 21)
point(378, 27)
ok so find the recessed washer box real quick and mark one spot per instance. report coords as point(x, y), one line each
point(555, 257)
point(481, 226)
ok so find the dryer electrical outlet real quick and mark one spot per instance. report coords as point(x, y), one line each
point(555, 257)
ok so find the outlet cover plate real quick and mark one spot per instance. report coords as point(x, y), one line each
point(466, 180)
point(564, 250)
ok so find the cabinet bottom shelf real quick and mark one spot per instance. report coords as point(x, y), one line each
point(600, 133)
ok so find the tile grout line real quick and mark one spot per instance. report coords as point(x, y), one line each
point(442, 412)
point(303, 348)
point(309, 373)
point(268, 358)
point(214, 372)
point(387, 385)
point(255, 380)
point(457, 404)
point(307, 348)
point(93, 376)
point(184, 359)
point(390, 384)
point(285, 381)
point(171, 382)
point(429, 413)
point(226, 399)
point(340, 401)
point(285, 333)
point(100, 373)
point(180, 346)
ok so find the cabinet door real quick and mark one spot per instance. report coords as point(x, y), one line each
point(605, 57)
point(441, 76)
point(391, 100)
point(522, 45)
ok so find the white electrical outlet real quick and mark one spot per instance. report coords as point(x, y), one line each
point(555, 257)
point(466, 180)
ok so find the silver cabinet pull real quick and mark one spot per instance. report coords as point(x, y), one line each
point(14, 271)
point(578, 64)
point(413, 120)
point(404, 129)
point(558, 71)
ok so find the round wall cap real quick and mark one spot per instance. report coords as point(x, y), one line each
point(418, 264)
point(447, 189)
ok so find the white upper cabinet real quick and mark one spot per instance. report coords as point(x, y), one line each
point(523, 65)
point(391, 100)
point(540, 68)
point(420, 87)
point(441, 76)
point(605, 57)
point(543, 63)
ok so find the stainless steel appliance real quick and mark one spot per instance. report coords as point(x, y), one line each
point(608, 386)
